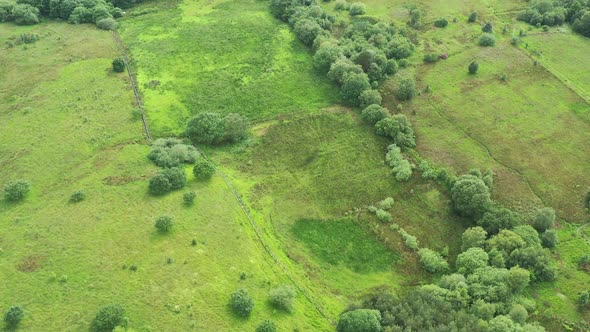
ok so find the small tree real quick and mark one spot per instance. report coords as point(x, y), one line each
point(471, 260)
point(108, 23)
point(241, 303)
point(267, 326)
point(470, 195)
point(432, 261)
point(77, 196)
point(16, 190)
point(549, 238)
point(118, 65)
point(357, 8)
point(472, 17)
point(487, 39)
point(360, 320)
point(164, 224)
point(108, 317)
point(176, 177)
point(282, 297)
point(203, 170)
point(159, 184)
point(584, 298)
point(13, 316)
point(518, 314)
point(25, 14)
point(383, 216)
point(236, 127)
point(353, 86)
point(441, 23)
point(370, 97)
point(488, 27)
point(373, 114)
point(473, 67)
point(189, 197)
point(406, 89)
point(474, 237)
point(545, 219)
point(207, 128)
point(498, 218)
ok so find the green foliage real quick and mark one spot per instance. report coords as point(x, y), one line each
point(118, 65)
point(506, 242)
point(341, 68)
point(353, 86)
point(528, 234)
point(473, 67)
point(206, 127)
point(498, 218)
point(406, 89)
point(164, 224)
point(307, 30)
point(360, 320)
point(487, 28)
point(399, 128)
point(471, 260)
point(373, 114)
point(357, 8)
point(13, 316)
point(108, 23)
point(189, 197)
point(549, 238)
point(77, 196)
point(108, 317)
point(235, 127)
point(502, 324)
point(472, 17)
point(16, 190)
point(584, 298)
point(544, 219)
point(383, 216)
point(518, 279)
point(25, 14)
point(241, 303)
point(159, 184)
point(203, 169)
point(432, 261)
point(176, 177)
point(473, 237)
point(410, 240)
point(470, 195)
point(487, 39)
point(370, 97)
point(536, 260)
point(267, 326)
point(326, 56)
point(489, 284)
point(400, 167)
point(386, 204)
point(441, 22)
point(431, 57)
point(282, 297)
point(172, 152)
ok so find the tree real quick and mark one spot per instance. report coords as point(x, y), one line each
point(164, 224)
point(470, 195)
point(399, 128)
point(357, 8)
point(341, 68)
point(528, 234)
point(108, 317)
point(370, 97)
point(236, 127)
point(518, 279)
point(108, 23)
point(406, 89)
point(489, 284)
point(16, 190)
point(584, 298)
point(203, 169)
point(472, 17)
point(327, 54)
point(207, 128)
point(353, 86)
point(172, 152)
point(189, 197)
point(536, 260)
point(373, 114)
point(307, 30)
point(487, 39)
point(488, 27)
point(471, 260)
point(25, 14)
point(77, 196)
point(282, 297)
point(506, 242)
point(176, 177)
point(473, 237)
point(159, 184)
point(241, 303)
point(473, 67)
point(360, 320)
point(502, 324)
point(582, 25)
point(267, 326)
point(544, 219)
point(118, 65)
point(13, 316)
point(80, 15)
point(432, 261)
point(549, 238)
point(441, 23)
point(498, 218)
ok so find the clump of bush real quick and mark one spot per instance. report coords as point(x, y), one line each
point(441, 23)
point(212, 128)
point(203, 169)
point(383, 215)
point(473, 67)
point(109, 317)
point(282, 297)
point(370, 97)
point(432, 261)
point(472, 17)
point(108, 23)
point(410, 240)
point(386, 204)
point(431, 57)
point(189, 197)
point(470, 196)
point(172, 152)
point(13, 316)
point(241, 303)
point(353, 85)
point(166, 180)
point(118, 65)
point(406, 89)
point(398, 128)
point(400, 167)
point(357, 8)
point(16, 190)
point(164, 224)
point(487, 39)
point(267, 326)
point(360, 320)
point(77, 196)
point(373, 114)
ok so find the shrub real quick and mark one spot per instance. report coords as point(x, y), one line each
point(307, 30)
point(545, 219)
point(470, 195)
point(236, 127)
point(373, 114)
point(370, 97)
point(77, 196)
point(473, 67)
point(207, 128)
point(189, 197)
point(487, 39)
point(410, 240)
point(357, 8)
point(471, 260)
point(398, 128)
point(203, 169)
point(584, 298)
point(108, 23)
point(341, 68)
point(16, 190)
point(159, 184)
point(164, 224)
point(549, 238)
point(353, 86)
point(13, 316)
point(118, 65)
point(80, 15)
point(360, 320)
point(326, 55)
point(267, 326)
point(472, 17)
point(473, 237)
point(342, 5)
point(282, 297)
point(241, 303)
point(441, 23)
point(25, 14)
point(518, 314)
point(400, 167)
point(108, 317)
point(528, 234)
point(170, 152)
point(518, 279)
point(176, 177)
point(432, 261)
point(488, 27)
point(406, 89)
point(497, 219)
point(383, 215)
point(431, 57)
point(386, 204)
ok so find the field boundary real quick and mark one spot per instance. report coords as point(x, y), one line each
point(133, 82)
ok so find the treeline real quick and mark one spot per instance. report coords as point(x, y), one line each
point(550, 13)
point(99, 12)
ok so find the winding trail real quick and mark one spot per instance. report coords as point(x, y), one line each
point(321, 310)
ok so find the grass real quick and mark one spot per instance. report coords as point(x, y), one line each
point(228, 56)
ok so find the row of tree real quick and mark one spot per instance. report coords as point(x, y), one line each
point(550, 13)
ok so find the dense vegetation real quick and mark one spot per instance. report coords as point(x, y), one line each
point(550, 13)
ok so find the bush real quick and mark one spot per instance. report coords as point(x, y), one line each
point(307, 30)
point(518, 314)
point(370, 97)
point(373, 114)
point(471, 260)
point(473, 67)
point(386, 204)
point(549, 238)
point(583, 298)
point(472, 17)
point(326, 55)
point(399, 129)
point(25, 14)
point(16, 190)
point(159, 184)
point(410, 240)
point(545, 219)
point(13, 316)
point(342, 5)
point(164, 224)
point(267, 326)
point(474, 237)
point(341, 68)
point(118, 65)
point(108, 23)
point(360, 320)
point(470, 195)
point(487, 39)
point(432, 261)
point(77, 196)
point(406, 89)
point(176, 177)
point(497, 219)
point(189, 197)
point(400, 167)
point(487, 28)
point(383, 216)
point(353, 85)
point(518, 279)
point(357, 8)
point(431, 57)
point(282, 297)
point(108, 317)
point(441, 23)
point(171, 152)
point(203, 169)
point(241, 303)
point(207, 128)
point(236, 127)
